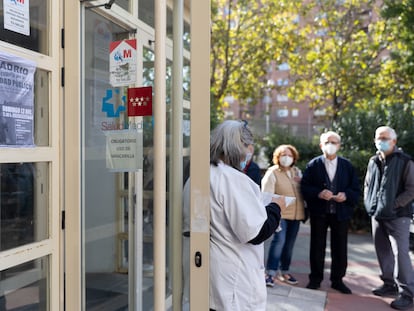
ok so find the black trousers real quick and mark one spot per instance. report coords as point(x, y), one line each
point(339, 247)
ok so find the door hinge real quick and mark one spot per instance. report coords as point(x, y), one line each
point(62, 38)
point(62, 76)
point(63, 220)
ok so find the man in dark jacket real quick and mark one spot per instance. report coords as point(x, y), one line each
point(388, 195)
point(331, 189)
point(252, 169)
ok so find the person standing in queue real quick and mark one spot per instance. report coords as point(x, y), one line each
point(330, 187)
point(388, 197)
point(283, 178)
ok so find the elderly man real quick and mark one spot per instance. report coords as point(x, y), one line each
point(388, 195)
point(331, 189)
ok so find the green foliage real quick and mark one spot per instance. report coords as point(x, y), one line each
point(246, 35)
point(216, 114)
point(307, 149)
point(339, 63)
point(400, 17)
point(357, 126)
point(357, 129)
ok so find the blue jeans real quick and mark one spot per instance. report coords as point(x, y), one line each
point(281, 247)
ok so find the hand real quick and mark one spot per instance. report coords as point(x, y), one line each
point(325, 195)
point(339, 197)
point(297, 179)
point(280, 201)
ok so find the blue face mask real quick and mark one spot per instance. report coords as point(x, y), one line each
point(244, 163)
point(382, 145)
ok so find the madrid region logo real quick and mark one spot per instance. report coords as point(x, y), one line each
point(109, 107)
point(17, 1)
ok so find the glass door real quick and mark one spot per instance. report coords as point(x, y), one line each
point(107, 205)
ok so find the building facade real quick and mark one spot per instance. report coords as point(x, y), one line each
point(90, 176)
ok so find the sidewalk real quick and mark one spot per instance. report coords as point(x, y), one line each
point(362, 276)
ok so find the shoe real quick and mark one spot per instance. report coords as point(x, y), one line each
point(341, 287)
point(313, 285)
point(386, 290)
point(269, 281)
point(287, 278)
point(403, 302)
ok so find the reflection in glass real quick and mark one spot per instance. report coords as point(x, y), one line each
point(105, 208)
point(186, 79)
point(25, 287)
point(41, 108)
point(23, 204)
point(123, 4)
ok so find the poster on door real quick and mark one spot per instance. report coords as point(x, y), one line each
point(123, 62)
point(16, 100)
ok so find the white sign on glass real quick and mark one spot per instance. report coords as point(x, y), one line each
point(17, 16)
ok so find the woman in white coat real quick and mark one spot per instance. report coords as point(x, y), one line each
point(239, 223)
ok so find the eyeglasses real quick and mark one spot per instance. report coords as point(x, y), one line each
point(331, 142)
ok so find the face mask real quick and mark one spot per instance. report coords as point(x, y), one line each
point(247, 160)
point(330, 149)
point(243, 165)
point(248, 157)
point(382, 145)
point(286, 161)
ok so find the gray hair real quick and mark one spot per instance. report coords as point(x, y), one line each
point(229, 141)
point(389, 130)
point(325, 135)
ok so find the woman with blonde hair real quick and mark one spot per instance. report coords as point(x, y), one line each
point(283, 178)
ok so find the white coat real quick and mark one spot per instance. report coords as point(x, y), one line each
point(236, 266)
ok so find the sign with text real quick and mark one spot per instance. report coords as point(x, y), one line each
point(140, 101)
point(17, 100)
point(16, 16)
point(124, 150)
point(123, 62)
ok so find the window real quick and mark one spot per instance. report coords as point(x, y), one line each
point(282, 98)
point(282, 82)
point(284, 67)
point(283, 113)
point(319, 112)
point(38, 37)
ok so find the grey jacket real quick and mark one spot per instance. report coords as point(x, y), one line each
point(389, 186)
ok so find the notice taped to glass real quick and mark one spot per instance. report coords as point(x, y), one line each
point(124, 150)
point(16, 100)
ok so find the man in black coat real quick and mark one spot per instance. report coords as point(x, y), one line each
point(331, 189)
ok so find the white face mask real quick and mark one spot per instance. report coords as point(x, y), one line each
point(330, 149)
point(286, 161)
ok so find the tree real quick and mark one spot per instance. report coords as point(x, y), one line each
point(339, 65)
point(246, 36)
point(400, 15)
